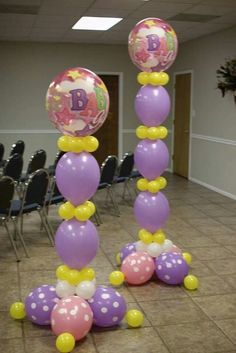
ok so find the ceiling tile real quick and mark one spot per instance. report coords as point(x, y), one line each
point(165, 6)
point(208, 10)
point(21, 2)
point(19, 20)
point(141, 14)
point(225, 3)
point(55, 21)
point(62, 7)
point(117, 4)
point(229, 18)
point(106, 12)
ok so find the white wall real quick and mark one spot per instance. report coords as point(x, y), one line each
point(213, 138)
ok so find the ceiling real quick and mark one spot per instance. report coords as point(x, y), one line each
point(51, 20)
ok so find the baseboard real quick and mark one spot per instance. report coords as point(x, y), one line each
point(213, 188)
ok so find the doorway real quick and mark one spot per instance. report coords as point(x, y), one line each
point(182, 111)
point(108, 133)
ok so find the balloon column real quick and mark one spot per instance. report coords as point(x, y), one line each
point(77, 102)
point(152, 48)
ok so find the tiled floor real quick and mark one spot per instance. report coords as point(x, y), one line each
point(177, 321)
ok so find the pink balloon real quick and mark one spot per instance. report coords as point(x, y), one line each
point(151, 158)
point(73, 315)
point(77, 176)
point(138, 268)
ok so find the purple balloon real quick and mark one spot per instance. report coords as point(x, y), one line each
point(152, 105)
point(171, 268)
point(108, 307)
point(128, 249)
point(151, 158)
point(151, 210)
point(39, 304)
point(77, 176)
point(76, 243)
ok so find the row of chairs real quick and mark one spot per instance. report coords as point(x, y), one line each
point(18, 147)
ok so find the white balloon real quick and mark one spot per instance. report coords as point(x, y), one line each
point(167, 245)
point(85, 289)
point(141, 246)
point(64, 289)
point(154, 249)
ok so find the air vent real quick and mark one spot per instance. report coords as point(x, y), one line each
point(19, 9)
point(192, 17)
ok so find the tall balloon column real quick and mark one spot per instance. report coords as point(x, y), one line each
point(77, 102)
point(152, 48)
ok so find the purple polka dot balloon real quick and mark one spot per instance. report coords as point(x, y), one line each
point(39, 304)
point(171, 268)
point(108, 307)
point(127, 250)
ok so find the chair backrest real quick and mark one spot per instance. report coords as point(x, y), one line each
point(126, 165)
point(108, 169)
point(37, 161)
point(7, 189)
point(58, 156)
point(13, 167)
point(2, 149)
point(36, 188)
point(18, 147)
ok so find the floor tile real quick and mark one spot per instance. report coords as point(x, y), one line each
point(9, 328)
point(228, 327)
point(223, 266)
point(211, 253)
point(13, 345)
point(218, 307)
point(198, 337)
point(211, 285)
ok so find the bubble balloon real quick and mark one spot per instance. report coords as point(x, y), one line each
point(77, 102)
point(152, 45)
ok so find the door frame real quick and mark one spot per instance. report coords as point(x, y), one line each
point(120, 107)
point(190, 71)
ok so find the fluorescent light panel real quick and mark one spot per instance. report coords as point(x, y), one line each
point(96, 23)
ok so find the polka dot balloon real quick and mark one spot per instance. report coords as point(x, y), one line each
point(72, 315)
point(39, 304)
point(127, 250)
point(138, 268)
point(171, 268)
point(108, 306)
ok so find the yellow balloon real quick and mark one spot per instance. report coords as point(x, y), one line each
point(141, 132)
point(90, 143)
point(82, 213)
point(17, 311)
point(91, 207)
point(153, 133)
point(62, 271)
point(118, 259)
point(153, 186)
point(66, 210)
point(87, 274)
point(145, 236)
point(191, 282)
point(187, 257)
point(162, 132)
point(164, 79)
point(63, 143)
point(73, 277)
point(116, 278)
point(65, 342)
point(154, 78)
point(143, 78)
point(159, 237)
point(76, 144)
point(162, 182)
point(134, 318)
point(142, 184)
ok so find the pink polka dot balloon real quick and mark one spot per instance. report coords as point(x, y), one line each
point(108, 306)
point(77, 102)
point(138, 268)
point(171, 268)
point(39, 304)
point(73, 315)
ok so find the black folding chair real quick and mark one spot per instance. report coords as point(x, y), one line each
point(34, 199)
point(13, 167)
point(37, 161)
point(18, 147)
point(124, 172)
point(108, 171)
point(52, 168)
point(7, 189)
point(2, 149)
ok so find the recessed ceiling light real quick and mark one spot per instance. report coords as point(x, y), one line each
point(96, 23)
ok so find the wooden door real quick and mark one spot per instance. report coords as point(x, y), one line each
point(182, 124)
point(108, 133)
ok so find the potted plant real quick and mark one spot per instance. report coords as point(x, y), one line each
point(226, 76)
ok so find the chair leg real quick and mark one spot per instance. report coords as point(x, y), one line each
point(12, 242)
point(46, 227)
point(112, 198)
point(45, 213)
point(20, 237)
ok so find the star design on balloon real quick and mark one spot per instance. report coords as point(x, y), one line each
point(142, 55)
point(57, 98)
point(74, 74)
point(150, 23)
point(64, 116)
point(103, 87)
